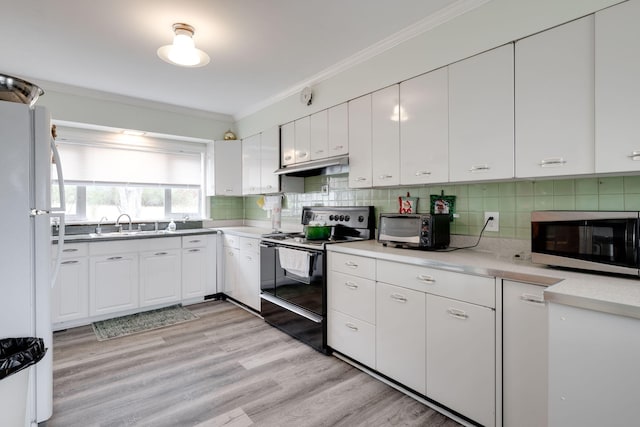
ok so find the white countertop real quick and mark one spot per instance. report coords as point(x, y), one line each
point(610, 294)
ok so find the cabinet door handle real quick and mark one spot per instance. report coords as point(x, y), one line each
point(479, 168)
point(269, 187)
point(532, 298)
point(351, 264)
point(194, 250)
point(303, 154)
point(228, 190)
point(319, 151)
point(426, 278)
point(552, 162)
point(287, 157)
point(114, 258)
point(73, 261)
point(230, 253)
point(70, 250)
point(458, 314)
point(249, 257)
point(635, 155)
point(161, 253)
point(420, 173)
point(338, 147)
point(398, 298)
point(351, 285)
point(351, 326)
point(386, 176)
point(361, 178)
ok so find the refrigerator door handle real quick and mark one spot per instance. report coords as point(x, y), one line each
point(60, 213)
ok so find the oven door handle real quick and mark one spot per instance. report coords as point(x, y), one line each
point(293, 308)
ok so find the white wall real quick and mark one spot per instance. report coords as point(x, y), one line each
point(102, 109)
point(490, 25)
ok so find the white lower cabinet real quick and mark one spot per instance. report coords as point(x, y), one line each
point(160, 277)
point(113, 283)
point(400, 335)
point(352, 336)
point(524, 355)
point(198, 265)
point(70, 294)
point(247, 278)
point(461, 357)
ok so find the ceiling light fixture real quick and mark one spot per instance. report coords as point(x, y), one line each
point(183, 51)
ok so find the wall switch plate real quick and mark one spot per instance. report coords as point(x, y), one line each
point(493, 225)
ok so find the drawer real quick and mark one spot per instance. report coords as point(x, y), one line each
point(117, 247)
point(249, 245)
point(71, 250)
point(158, 244)
point(353, 264)
point(463, 287)
point(196, 241)
point(352, 295)
point(231, 241)
point(352, 337)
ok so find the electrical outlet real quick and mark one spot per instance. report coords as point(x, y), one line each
point(494, 224)
point(324, 189)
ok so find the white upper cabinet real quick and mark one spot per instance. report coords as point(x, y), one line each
point(555, 101)
point(288, 144)
point(224, 168)
point(338, 120)
point(424, 129)
point(385, 136)
point(360, 175)
point(302, 139)
point(269, 157)
point(319, 139)
point(617, 85)
point(481, 116)
point(251, 165)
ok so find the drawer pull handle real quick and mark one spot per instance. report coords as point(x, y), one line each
point(114, 258)
point(479, 168)
point(361, 178)
point(398, 298)
point(426, 278)
point(319, 151)
point(302, 154)
point(351, 264)
point(193, 250)
point(161, 253)
point(351, 285)
point(351, 326)
point(552, 163)
point(458, 314)
point(635, 155)
point(420, 173)
point(194, 241)
point(385, 176)
point(74, 261)
point(287, 157)
point(532, 298)
point(70, 250)
point(338, 147)
point(228, 190)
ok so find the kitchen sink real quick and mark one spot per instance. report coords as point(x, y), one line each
point(127, 233)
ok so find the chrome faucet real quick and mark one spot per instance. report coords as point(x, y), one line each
point(99, 227)
point(119, 226)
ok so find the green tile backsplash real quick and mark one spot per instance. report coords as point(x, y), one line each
point(514, 200)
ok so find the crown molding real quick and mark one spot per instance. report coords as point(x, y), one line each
point(428, 23)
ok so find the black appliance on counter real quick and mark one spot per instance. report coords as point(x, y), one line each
point(293, 271)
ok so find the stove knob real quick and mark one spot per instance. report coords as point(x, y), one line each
point(341, 217)
point(330, 217)
point(361, 218)
point(347, 218)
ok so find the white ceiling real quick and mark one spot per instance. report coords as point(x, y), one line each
point(261, 50)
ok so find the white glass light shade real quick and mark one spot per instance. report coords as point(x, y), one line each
point(183, 51)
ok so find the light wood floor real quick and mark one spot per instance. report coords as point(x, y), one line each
point(228, 368)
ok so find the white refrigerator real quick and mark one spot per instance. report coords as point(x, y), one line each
point(27, 156)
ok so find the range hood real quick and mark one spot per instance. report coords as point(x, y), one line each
point(330, 166)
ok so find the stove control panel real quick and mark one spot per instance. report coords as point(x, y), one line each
point(354, 217)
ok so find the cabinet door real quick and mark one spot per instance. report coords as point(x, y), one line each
point(113, 283)
point(524, 358)
point(288, 144)
point(352, 337)
point(555, 101)
point(617, 88)
point(481, 116)
point(424, 128)
point(251, 165)
point(247, 285)
point(160, 277)
point(338, 142)
point(230, 273)
point(461, 357)
point(71, 291)
point(269, 155)
point(385, 136)
point(400, 335)
point(360, 175)
point(302, 139)
point(228, 168)
point(319, 139)
point(194, 272)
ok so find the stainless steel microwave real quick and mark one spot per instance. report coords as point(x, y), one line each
point(589, 240)
point(422, 231)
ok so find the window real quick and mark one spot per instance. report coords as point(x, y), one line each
point(151, 181)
